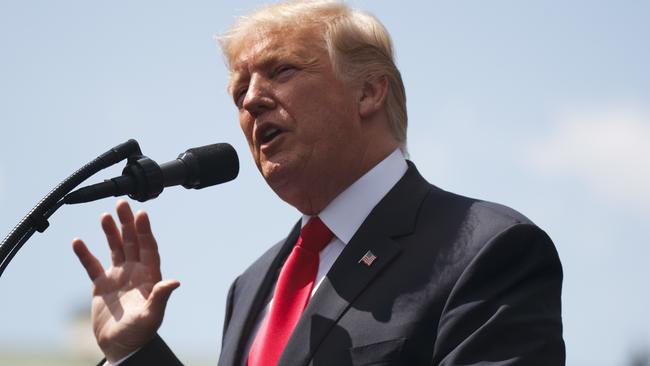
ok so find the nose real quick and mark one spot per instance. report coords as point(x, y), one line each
point(259, 97)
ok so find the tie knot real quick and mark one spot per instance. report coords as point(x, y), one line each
point(315, 235)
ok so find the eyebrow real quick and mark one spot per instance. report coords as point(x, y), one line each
point(262, 62)
point(269, 59)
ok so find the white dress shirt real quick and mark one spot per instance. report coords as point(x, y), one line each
point(343, 216)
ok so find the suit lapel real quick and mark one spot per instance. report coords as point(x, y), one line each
point(394, 216)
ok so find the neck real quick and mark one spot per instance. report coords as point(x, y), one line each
point(323, 191)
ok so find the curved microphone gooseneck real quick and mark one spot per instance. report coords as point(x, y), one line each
point(142, 179)
point(36, 219)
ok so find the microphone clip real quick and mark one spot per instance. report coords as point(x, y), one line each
point(148, 181)
point(142, 179)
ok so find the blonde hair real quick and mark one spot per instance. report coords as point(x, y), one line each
point(358, 45)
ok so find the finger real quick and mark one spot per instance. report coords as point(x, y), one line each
point(160, 295)
point(148, 246)
point(129, 237)
point(88, 260)
point(114, 238)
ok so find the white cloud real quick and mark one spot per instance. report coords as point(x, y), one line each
point(605, 147)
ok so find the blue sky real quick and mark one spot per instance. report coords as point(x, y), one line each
point(540, 105)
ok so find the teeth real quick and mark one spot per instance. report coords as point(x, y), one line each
point(270, 132)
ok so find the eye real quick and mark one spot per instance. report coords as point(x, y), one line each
point(239, 95)
point(284, 71)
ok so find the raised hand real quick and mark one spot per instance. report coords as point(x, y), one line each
point(129, 298)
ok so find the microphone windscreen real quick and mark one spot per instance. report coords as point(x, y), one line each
point(216, 163)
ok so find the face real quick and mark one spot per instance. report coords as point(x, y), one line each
point(302, 124)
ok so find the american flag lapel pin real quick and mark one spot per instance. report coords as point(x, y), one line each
point(368, 258)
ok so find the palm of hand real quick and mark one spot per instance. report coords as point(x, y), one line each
point(120, 306)
point(129, 298)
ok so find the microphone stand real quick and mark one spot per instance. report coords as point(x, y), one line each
point(36, 219)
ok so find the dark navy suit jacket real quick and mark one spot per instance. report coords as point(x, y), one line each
point(456, 281)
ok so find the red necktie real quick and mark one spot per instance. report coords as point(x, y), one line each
point(291, 294)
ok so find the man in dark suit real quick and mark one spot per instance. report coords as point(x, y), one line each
point(403, 273)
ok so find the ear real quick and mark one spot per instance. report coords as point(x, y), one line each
point(373, 95)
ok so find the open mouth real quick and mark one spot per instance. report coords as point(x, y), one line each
point(268, 132)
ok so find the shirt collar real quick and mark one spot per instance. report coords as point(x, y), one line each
point(345, 214)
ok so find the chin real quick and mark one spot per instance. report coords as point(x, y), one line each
point(275, 175)
point(278, 168)
point(285, 186)
point(270, 170)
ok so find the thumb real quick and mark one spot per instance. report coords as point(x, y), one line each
point(160, 294)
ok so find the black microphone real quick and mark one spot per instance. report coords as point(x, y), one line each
point(143, 179)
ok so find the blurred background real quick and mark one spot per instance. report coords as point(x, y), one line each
point(540, 105)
